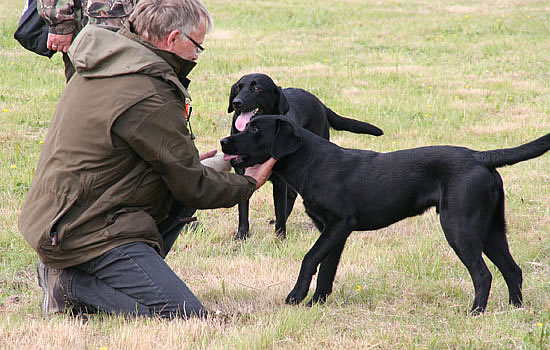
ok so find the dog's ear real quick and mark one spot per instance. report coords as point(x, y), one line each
point(282, 104)
point(287, 140)
point(232, 95)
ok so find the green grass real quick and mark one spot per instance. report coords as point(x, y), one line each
point(469, 73)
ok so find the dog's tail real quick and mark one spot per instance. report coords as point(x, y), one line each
point(342, 123)
point(509, 156)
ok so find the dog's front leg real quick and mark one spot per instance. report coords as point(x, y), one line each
point(283, 198)
point(327, 271)
point(243, 230)
point(333, 236)
point(244, 227)
point(280, 203)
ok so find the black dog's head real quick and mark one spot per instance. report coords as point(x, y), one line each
point(255, 94)
point(264, 137)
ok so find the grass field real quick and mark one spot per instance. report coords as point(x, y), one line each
point(470, 73)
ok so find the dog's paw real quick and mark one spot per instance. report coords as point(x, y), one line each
point(280, 233)
point(318, 298)
point(295, 297)
point(241, 235)
point(291, 300)
point(476, 311)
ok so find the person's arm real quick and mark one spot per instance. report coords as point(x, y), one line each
point(261, 172)
point(161, 138)
point(61, 16)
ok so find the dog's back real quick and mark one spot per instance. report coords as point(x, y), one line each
point(307, 111)
point(311, 113)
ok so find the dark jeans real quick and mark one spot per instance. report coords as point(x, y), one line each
point(133, 279)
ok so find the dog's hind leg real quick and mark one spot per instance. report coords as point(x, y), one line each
point(497, 250)
point(465, 239)
point(327, 271)
point(482, 278)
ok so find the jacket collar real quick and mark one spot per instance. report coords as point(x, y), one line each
point(180, 65)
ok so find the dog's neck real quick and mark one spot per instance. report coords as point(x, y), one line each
point(294, 168)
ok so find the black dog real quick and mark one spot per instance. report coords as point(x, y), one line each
point(347, 190)
point(257, 94)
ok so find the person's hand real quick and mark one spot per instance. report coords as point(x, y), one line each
point(261, 172)
point(59, 42)
point(208, 154)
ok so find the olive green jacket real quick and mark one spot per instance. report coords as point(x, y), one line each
point(118, 153)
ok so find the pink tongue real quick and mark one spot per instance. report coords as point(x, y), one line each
point(228, 157)
point(242, 120)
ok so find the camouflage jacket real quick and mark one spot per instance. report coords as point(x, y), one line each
point(69, 16)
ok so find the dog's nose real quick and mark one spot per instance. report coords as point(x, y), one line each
point(237, 103)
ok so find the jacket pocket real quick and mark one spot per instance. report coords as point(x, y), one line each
point(47, 240)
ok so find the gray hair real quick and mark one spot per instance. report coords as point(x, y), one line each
point(154, 19)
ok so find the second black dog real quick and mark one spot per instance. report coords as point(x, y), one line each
point(347, 190)
point(257, 94)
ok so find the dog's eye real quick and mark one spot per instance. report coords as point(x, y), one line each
point(256, 88)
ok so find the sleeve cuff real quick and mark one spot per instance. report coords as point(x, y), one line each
point(252, 181)
point(63, 28)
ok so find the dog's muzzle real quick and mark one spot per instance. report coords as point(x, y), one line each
point(228, 151)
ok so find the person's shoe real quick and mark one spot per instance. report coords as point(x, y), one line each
point(55, 298)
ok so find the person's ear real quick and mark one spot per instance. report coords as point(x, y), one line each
point(170, 39)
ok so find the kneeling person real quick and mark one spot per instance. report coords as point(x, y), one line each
point(119, 172)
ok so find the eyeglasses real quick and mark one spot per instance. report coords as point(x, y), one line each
point(198, 47)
